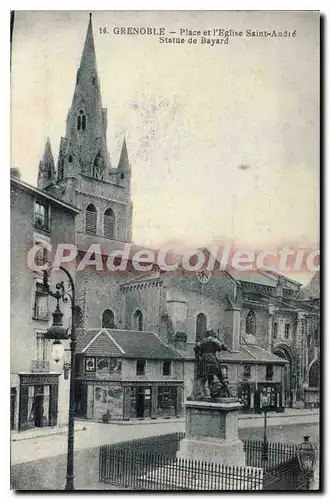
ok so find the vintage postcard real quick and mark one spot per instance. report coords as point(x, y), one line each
point(165, 275)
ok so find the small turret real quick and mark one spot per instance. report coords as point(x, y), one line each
point(46, 172)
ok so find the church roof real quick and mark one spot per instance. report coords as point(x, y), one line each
point(124, 344)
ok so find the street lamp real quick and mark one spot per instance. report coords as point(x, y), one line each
point(264, 404)
point(306, 455)
point(58, 332)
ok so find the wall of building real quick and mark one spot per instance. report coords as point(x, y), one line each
point(23, 279)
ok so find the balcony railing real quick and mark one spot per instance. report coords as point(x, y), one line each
point(38, 366)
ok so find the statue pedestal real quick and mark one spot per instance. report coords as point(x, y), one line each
point(212, 432)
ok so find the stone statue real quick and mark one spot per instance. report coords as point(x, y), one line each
point(207, 367)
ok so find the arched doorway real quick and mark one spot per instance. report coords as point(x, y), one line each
point(283, 351)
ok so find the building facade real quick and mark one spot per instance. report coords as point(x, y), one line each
point(127, 375)
point(38, 386)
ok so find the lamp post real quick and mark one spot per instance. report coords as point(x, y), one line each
point(306, 455)
point(264, 405)
point(58, 332)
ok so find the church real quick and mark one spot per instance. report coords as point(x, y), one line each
point(137, 331)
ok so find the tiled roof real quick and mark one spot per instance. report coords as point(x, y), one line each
point(125, 344)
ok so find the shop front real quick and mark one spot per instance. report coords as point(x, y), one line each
point(38, 401)
point(106, 400)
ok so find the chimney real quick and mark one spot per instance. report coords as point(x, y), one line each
point(279, 287)
point(15, 172)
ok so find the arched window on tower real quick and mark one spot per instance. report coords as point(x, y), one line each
point(109, 222)
point(108, 319)
point(81, 120)
point(138, 321)
point(250, 323)
point(201, 326)
point(90, 219)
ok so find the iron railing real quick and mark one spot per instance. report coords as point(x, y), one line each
point(151, 464)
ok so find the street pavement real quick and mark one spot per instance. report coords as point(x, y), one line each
point(97, 434)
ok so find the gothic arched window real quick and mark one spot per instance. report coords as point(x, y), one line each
point(109, 220)
point(314, 374)
point(138, 321)
point(90, 219)
point(201, 326)
point(108, 319)
point(250, 323)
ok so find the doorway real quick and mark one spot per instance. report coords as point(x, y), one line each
point(140, 396)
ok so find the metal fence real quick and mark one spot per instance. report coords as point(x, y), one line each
point(148, 471)
point(270, 456)
point(151, 464)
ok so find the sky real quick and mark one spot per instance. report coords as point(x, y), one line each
point(191, 115)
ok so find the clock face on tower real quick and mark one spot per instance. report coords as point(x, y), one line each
point(203, 276)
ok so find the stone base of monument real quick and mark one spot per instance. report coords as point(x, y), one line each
point(212, 432)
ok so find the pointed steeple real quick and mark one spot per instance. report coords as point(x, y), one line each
point(88, 58)
point(123, 159)
point(46, 172)
point(87, 120)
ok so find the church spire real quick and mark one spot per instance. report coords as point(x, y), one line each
point(46, 172)
point(85, 149)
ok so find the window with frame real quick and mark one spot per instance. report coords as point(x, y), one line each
point(138, 321)
point(141, 367)
point(201, 326)
point(90, 219)
point(287, 331)
point(108, 319)
point(269, 372)
point(41, 256)
point(275, 331)
point(41, 215)
point(167, 368)
point(41, 347)
point(250, 323)
point(109, 222)
point(40, 309)
point(247, 371)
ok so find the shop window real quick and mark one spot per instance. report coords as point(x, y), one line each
point(41, 215)
point(275, 331)
point(167, 368)
point(40, 309)
point(166, 401)
point(90, 364)
point(269, 372)
point(38, 406)
point(250, 323)
point(140, 367)
point(247, 371)
point(287, 331)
